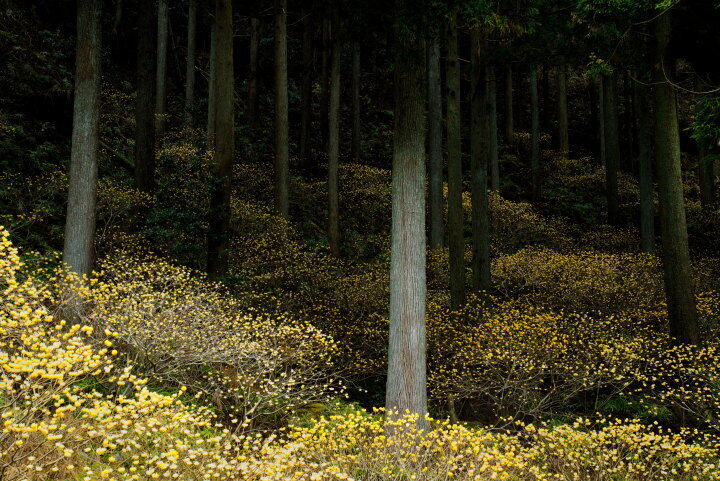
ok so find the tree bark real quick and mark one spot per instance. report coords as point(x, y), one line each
point(145, 99)
point(252, 107)
point(456, 236)
point(161, 79)
point(190, 65)
point(325, 78)
point(545, 99)
point(406, 380)
point(535, 128)
point(509, 108)
point(282, 159)
point(211, 85)
point(334, 148)
point(601, 119)
point(118, 17)
point(80, 219)
point(435, 144)
point(306, 89)
point(645, 140)
point(479, 154)
point(563, 135)
point(612, 147)
point(492, 112)
point(224, 145)
point(679, 290)
point(356, 72)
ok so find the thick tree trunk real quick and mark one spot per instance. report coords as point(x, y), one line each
point(612, 147)
point(492, 112)
point(145, 99)
point(356, 102)
point(406, 381)
point(706, 177)
point(282, 159)
point(224, 145)
point(645, 140)
point(479, 154)
point(682, 310)
point(509, 107)
point(252, 106)
point(190, 65)
point(334, 148)
point(80, 219)
point(563, 135)
point(211, 86)
point(456, 236)
point(306, 89)
point(535, 133)
point(435, 144)
point(161, 78)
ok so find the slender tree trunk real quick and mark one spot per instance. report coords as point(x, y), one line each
point(306, 89)
point(190, 66)
point(435, 144)
point(406, 381)
point(706, 177)
point(563, 110)
point(224, 144)
point(252, 107)
point(211, 86)
point(161, 79)
point(80, 219)
point(334, 148)
point(612, 147)
point(282, 159)
point(679, 290)
point(601, 119)
point(509, 108)
point(325, 78)
point(535, 128)
point(545, 99)
point(145, 99)
point(456, 236)
point(356, 102)
point(645, 140)
point(479, 153)
point(118, 17)
point(492, 112)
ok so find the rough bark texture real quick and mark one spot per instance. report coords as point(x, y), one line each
point(219, 222)
point(334, 149)
point(211, 86)
point(479, 154)
point(601, 119)
point(509, 108)
point(145, 99)
point(190, 63)
point(80, 220)
point(282, 154)
point(252, 106)
point(682, 310)
point(492, 119)
point(306, 89)
point(645, 140)
point(535, 129)
point(406, 381)
point(435, 201)
point(161, 78)
point(612, 147)
point(456, 237)
point(356, 129)
point(563, 134)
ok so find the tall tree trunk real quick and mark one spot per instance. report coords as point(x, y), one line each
point(224, 145)
point(679, 290)
point(509, 108)
point(545, 99)
point(118, 17)
point(535, 128)
point(145, 99)
point(492, 112)
point(211, 85)
point(282, 159)
point(80, 219)
point(252, 107)
point(706, 177)
point(479, 153)
point(456, 236)
point(406, 379)
point(190, 66)
point(325, 77)
point(645, 140)
point(356, 102)
point(334, 147)
point(435, 144)
point(306, 89)
point(563, 134)
point(161, 79)
point(612, 147)
point(601, 119)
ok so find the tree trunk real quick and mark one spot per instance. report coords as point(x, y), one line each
point(645, 140)
point(306, 89)
point(601, 119)
point(545, 99)
point(563, 134)
point(211, 86)
point(161, 79)
point(325, 78)
point(509, 108)
point(190, 66)
point(80, 219)
point(252, 107)
point(612, 147)
point(456, 236)
point(479, 153)
point(334, 147)
point(706, 177)
point(145, 99)
point(224, 145)
point(356, 102)
point(282, 159)
point(435, 144)
point(535, 127)
point(682, 311)
point(406, 379)
point(118, 17)
point(492, 112)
